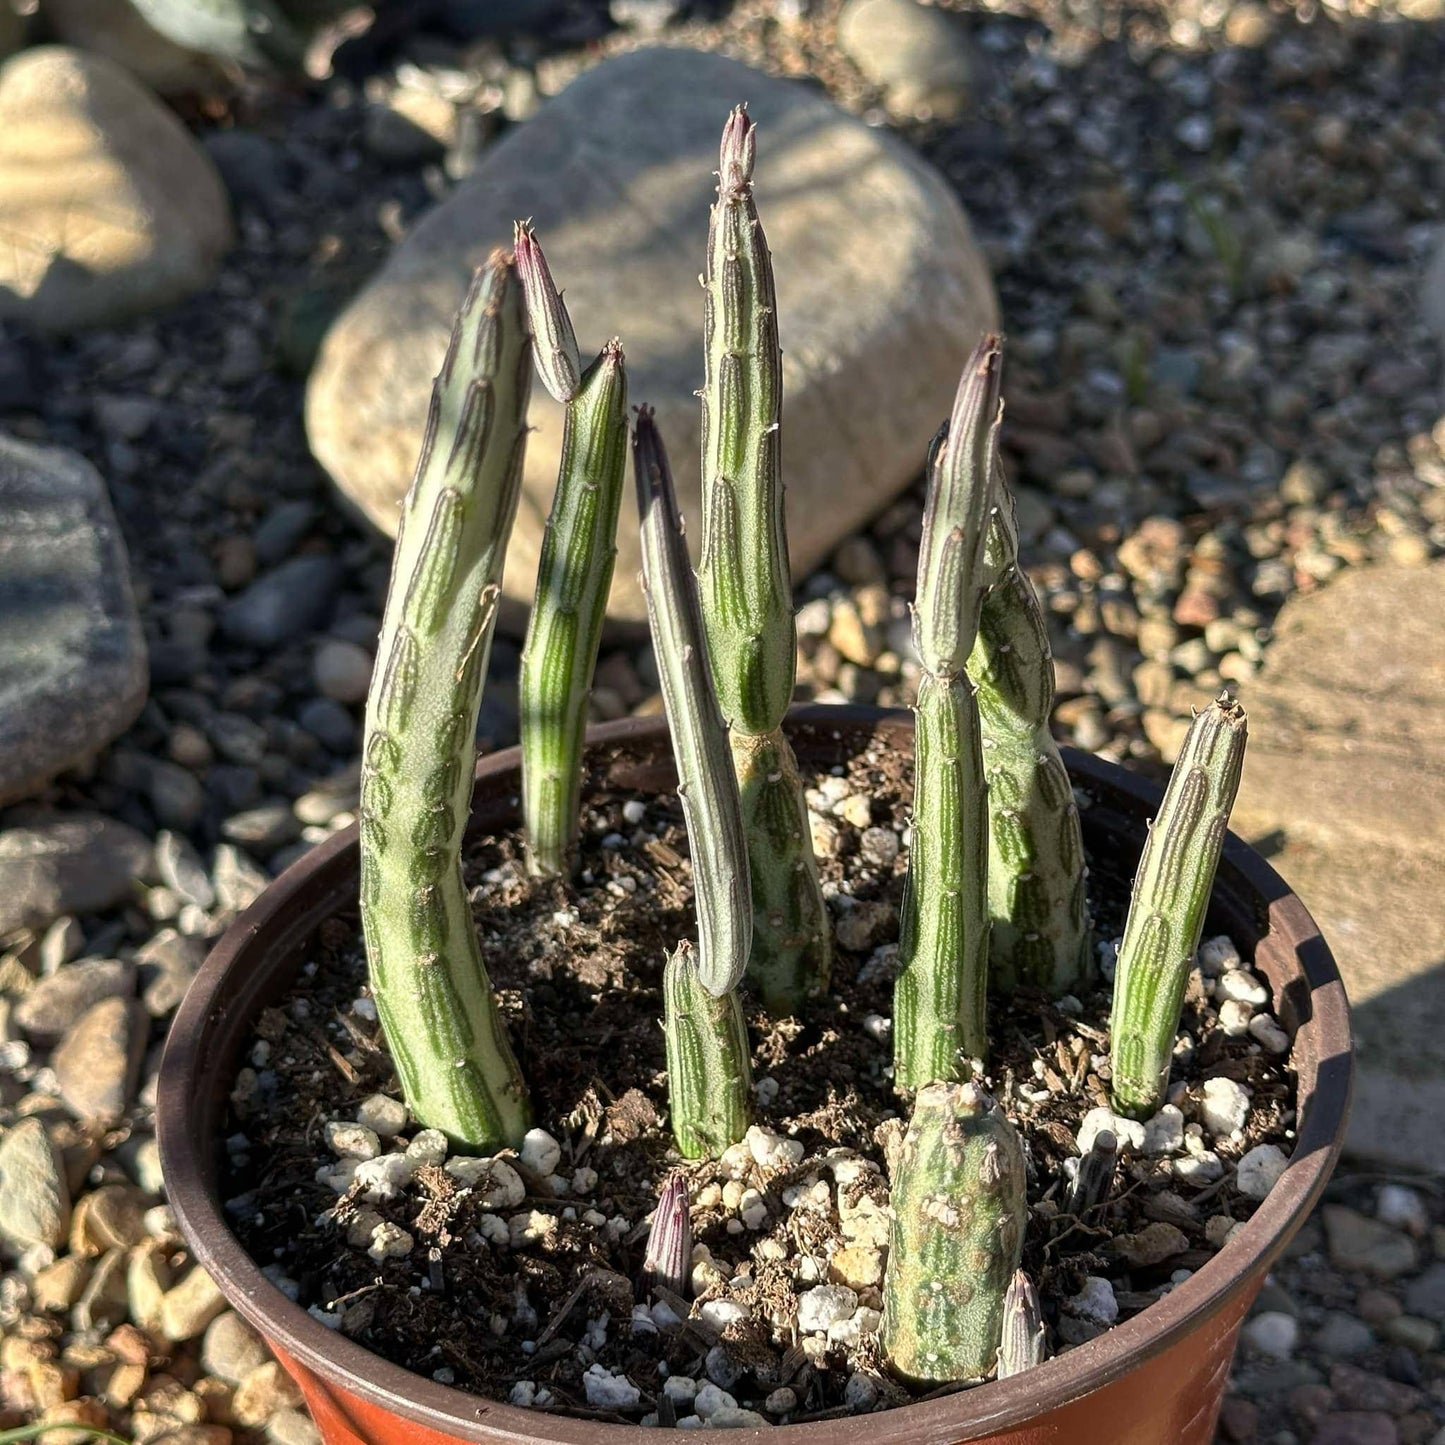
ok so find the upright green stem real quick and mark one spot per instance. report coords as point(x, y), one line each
point(939, 1024)
point(747, 596)
point(1039, 920)
point(706, 786)
point(574, 573)
point(435, 1002)
point(1166, 912)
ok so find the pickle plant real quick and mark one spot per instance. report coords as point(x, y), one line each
point(575, 569)
point(709, 1078)
point(939, 1028)
point(744, 578)
point(995, 888)
point(447, 1038)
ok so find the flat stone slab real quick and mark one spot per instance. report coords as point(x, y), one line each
point(881, 295)
point(73, 670)
point(1344, 784)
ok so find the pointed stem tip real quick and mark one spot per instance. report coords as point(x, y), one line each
point(668, 1262)
point(554, 343)
point(737, 152)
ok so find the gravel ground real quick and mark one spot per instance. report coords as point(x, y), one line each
point(1208, 230)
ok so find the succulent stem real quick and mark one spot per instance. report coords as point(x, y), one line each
point(709, 1073)
point(1095, 1175)
point(1166, 912)
point(446, 1037)
point(554, 343)
point(939, 1002)
point(959, 1213)
point(706, 785)
point(1025, 1339)
point(1040, 931)
point(573, 578)
point(939, 1023)
point(744, 579)
point(668, 1262)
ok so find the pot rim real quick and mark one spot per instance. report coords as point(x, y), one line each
point(998, 1405)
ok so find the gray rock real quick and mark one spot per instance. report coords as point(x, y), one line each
point(918, 54)
point(73, 671)
point(1342, 1336)
point(342, 670)
point(1368, 743)
point(98, 1062)
point(281, 605)
point(244, 32)
point(180, 868)
point(167, 964)
point(51, 1008)
point(281, 530)
point(34, 1197)
point(132, 215)
point(1357, 1242)
point(239, 882)
point(263, 829)
point(175, 793)
point(329, 723)
point(81, 863)
point(1432, 296)
point(114, 29)
point(873, 337)
point(1425, 1296)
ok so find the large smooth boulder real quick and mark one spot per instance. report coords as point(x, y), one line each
point(1344, 779)
point(111, 209)
point(881, 294)
point(117, 30)
point(73, 670)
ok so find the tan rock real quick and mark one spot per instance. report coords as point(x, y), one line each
point(190, 1306)
point(111, 209)
point(1344, 780)
point(881, 293)
point(857, 1266)
point(116, 30)
point(265, 1390)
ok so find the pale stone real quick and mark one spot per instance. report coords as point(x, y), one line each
point(1347, 763)
point(618, 174)
point(34, 1197)
point(111, 208)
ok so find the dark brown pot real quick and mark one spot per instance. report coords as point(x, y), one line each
point(1156, 1379)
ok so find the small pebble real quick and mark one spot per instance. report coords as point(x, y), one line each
point(389, 1241)
point(384, 1116)
point(1224, 1107)
point(1164, 1133)
point(352, 1141)
point(606, 1391)
point(540, 1152)
point(1240, 984)
point(1095, 1302)
point(1264, 1029)
point(1272, 1333)
point(711, 1398)
point(1260, 1170)
point(1129, 1132)
point(824, 1305)
point(1402, 1208)
point(1217, 955)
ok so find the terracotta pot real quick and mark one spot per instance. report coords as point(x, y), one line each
point(1157, 1379)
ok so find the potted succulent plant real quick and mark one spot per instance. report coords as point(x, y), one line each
point(886, 1290)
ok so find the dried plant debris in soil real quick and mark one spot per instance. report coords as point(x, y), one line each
point(517, 1278)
